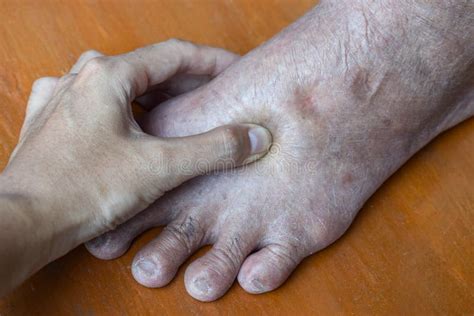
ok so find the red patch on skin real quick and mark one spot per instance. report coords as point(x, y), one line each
point(347, 179)
point(305, 99)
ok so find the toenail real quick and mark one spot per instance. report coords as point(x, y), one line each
point(98, 242)
point(146, 267)
point(202, 285)
point(257, 286)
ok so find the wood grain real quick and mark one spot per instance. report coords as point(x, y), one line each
point(410, 251)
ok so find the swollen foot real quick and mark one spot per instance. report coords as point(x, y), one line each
point(344, 116)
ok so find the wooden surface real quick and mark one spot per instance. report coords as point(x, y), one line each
point(410, 250)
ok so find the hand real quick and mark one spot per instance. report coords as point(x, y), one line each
point(346, 108)
point(84, 163)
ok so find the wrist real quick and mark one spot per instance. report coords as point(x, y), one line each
point(29, 211)
point(24, 239)
point(52, 227)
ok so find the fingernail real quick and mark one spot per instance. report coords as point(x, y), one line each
point(146, 267)
point(260, 140)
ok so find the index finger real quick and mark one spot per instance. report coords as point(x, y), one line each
point(151, 65)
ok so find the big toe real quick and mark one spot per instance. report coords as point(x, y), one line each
point(116, 242)
point(110, 245)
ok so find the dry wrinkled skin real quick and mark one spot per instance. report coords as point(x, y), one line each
point(347, 103)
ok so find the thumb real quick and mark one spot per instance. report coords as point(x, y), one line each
point(224, 147)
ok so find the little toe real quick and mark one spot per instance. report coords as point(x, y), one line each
point(209, 277)
point(157, 263)
point(268, 268)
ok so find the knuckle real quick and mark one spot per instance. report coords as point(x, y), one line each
point(96, 65)
point(232, 141)
point(43, 81)
point(88, 54)
point(43, 84)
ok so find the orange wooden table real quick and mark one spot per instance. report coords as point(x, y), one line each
point(410, 250)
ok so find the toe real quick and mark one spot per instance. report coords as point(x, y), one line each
point(268, 268)
point(116, 242)
point(210, 276)
point(157, 263)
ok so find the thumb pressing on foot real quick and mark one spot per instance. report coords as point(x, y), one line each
point(225, 147)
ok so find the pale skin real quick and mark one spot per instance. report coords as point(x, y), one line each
point(83, 165)
point(350, 92)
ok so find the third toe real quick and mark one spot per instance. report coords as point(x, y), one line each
point(209, 277)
